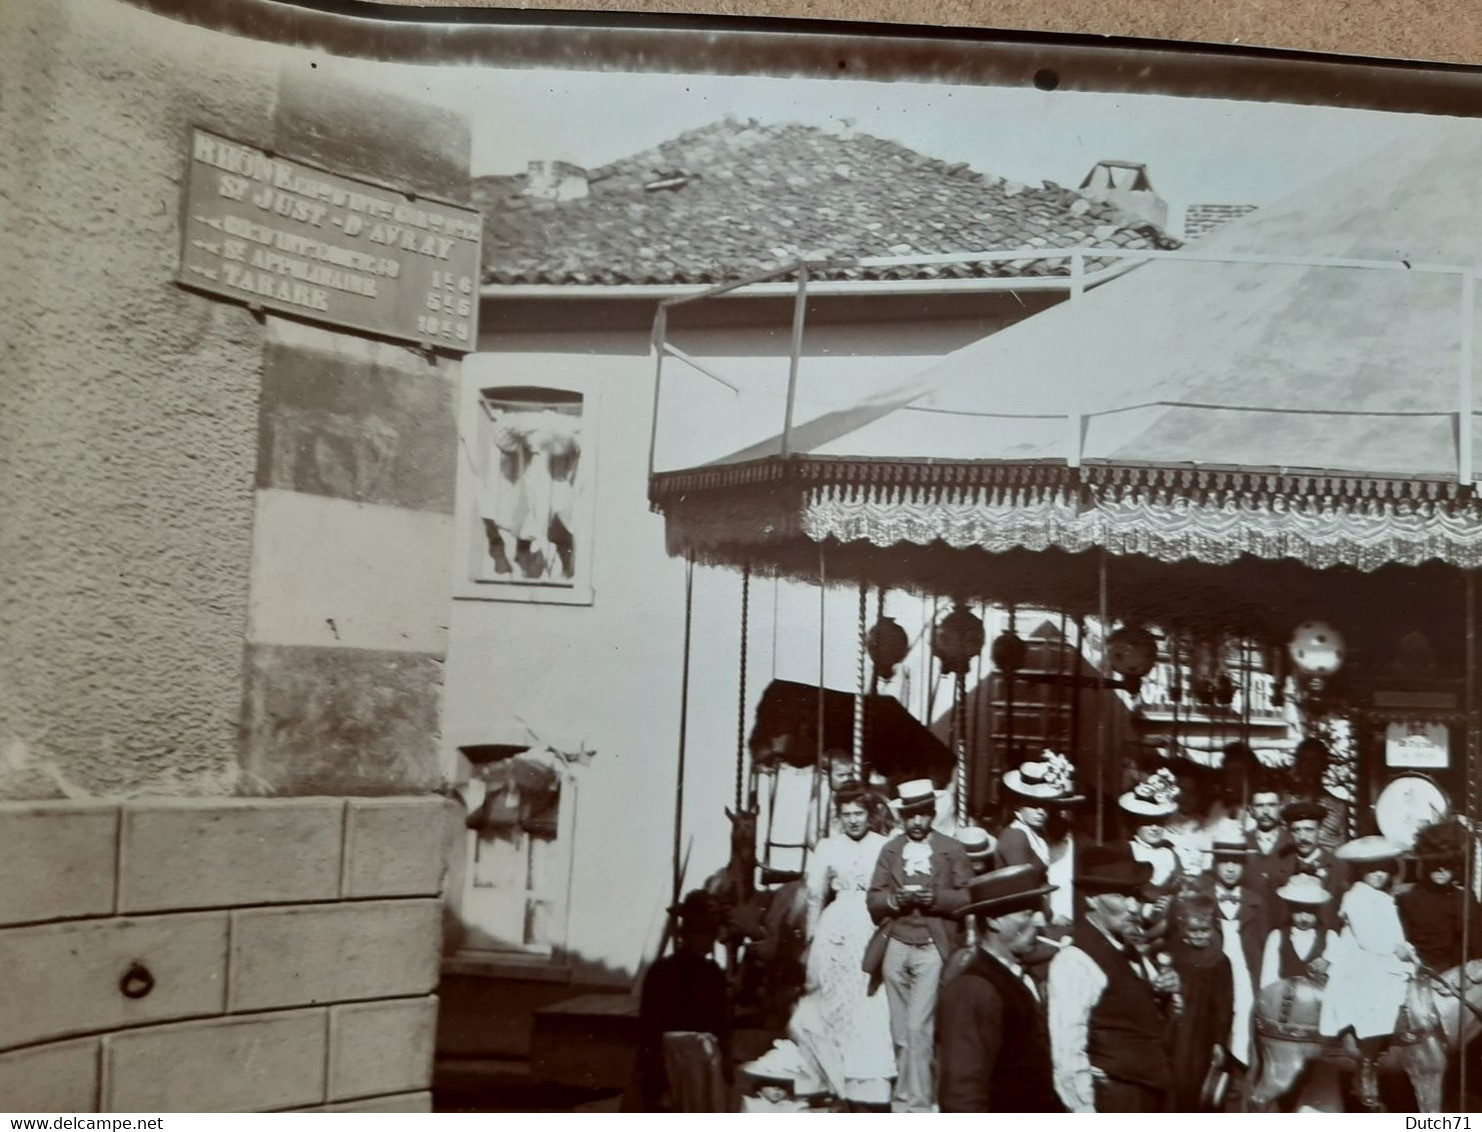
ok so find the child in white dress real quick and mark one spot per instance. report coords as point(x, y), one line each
point(1370, 963)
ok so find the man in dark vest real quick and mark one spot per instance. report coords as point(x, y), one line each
point(1110, 1010)
point(920, 883)
point(993, 1050)
point(1268, 842)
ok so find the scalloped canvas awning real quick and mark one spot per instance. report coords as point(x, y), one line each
point(1305, 397)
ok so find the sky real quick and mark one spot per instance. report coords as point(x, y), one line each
point(1196, 150)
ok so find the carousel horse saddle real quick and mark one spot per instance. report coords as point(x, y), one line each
point(770, 876)
point(1289, 1010)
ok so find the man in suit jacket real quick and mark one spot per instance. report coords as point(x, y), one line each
point(1267, 843)
point(993, 1049)
point(920, 883)
point(1307, 856)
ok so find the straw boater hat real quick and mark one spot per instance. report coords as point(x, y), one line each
point(1304, 888)
point(917, 795)
point(1157, 797)
point(1050, 778)
point(977, 841)
point(1103, 869)
point(1368, 850)
point(1228, 842)
point(1009, 889)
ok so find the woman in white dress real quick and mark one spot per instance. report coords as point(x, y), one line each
point(1148, 805)
point(838, 1023)
point(1370, 963)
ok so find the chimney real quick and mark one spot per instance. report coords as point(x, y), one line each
point(556, 181)
point(1126, 185)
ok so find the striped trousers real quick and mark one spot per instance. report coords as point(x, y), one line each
point(912, 975)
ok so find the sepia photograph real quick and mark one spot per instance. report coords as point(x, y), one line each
point(560, 562)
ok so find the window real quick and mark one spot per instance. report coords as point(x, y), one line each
point(518, 864)
point(529, 462)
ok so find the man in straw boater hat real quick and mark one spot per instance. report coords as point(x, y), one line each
point(919, 884)
point(1244, 919)
point(1036, 790)
point(993, 1050)
point(1297, 948)
point(1109, 1007)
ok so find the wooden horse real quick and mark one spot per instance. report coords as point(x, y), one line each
point(768, 924)
point(1440, 1016)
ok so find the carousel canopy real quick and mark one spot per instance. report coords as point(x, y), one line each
point(1301, 394)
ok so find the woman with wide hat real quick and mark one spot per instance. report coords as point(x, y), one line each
point(1432, 911)
point(1146, 807)
point(1036, 791)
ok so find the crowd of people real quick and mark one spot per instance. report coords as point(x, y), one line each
point(1029, 972)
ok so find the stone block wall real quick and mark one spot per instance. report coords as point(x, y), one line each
point(220, 954)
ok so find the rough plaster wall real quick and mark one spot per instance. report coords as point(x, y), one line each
point(129, 418)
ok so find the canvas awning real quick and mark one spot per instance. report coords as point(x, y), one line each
point(1310, 393)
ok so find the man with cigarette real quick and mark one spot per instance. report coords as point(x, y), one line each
point(1111, 1009)
point(993, 1051)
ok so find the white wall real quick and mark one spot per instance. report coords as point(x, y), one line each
point(608, 675)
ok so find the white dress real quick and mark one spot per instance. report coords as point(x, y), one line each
point(1367, 979)
point(844, 1029)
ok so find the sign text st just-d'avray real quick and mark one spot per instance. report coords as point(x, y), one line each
point(288, 237)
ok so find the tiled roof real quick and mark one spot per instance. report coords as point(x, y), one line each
point(736, 198)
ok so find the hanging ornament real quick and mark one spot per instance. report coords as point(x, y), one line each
point(1131, 654)
point(1316, 649)
point(888, 645)
point(1008, 652)
point(958, 639)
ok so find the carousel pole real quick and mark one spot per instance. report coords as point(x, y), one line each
point(741, 694)
point(820, 821)
point(684, 720)
point(1469, 868)
point(1103, 658)
point(859, 698)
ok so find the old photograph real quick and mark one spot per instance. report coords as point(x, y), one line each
point(640, 568)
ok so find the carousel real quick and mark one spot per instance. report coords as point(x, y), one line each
point(1236, 489)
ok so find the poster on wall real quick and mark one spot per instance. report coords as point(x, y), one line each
point(1417, 745)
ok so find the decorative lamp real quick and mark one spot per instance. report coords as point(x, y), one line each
point(959, 637)
point(1009, 652)
point(1131, 652)
point(888, 645)
point(1317, 650)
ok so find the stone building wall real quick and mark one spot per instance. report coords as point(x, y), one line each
point(226, 561)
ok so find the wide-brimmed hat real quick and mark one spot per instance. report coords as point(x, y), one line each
point(782, 1064)
point(978, 842)
point(1368, 850)
point(1049, 778)
point(1442, 842)
point(1007, 889)
point(916, 795)
point(1155, 797)
point(1304, 888)
point(1101, 869)
point(1303, 810)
